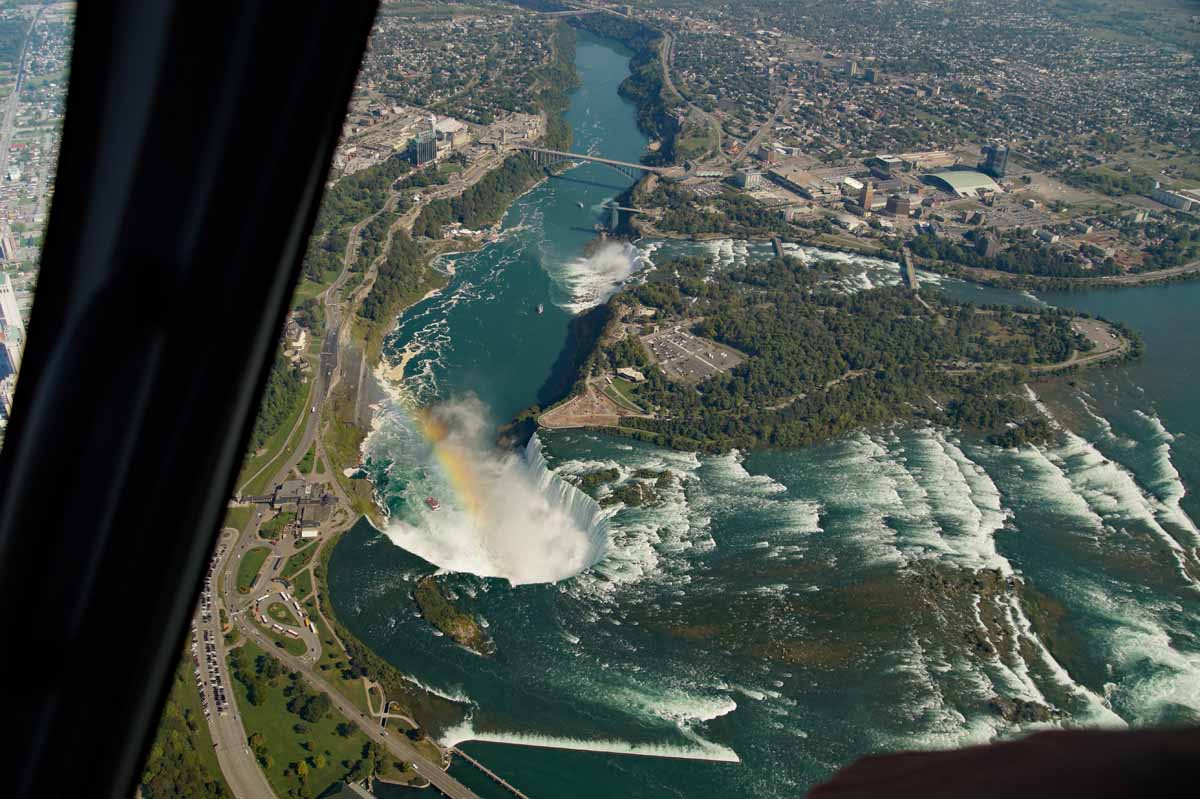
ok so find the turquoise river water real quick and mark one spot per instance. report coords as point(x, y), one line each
point(770, 618)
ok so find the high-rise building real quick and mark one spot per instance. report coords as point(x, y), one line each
point(8, 244)
point(423, 148)
point(852, 68)
point(10, 315)
point(866, 197)
point(995, 160)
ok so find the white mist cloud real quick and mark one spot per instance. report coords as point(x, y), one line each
point(501, 516)
point(592, 279)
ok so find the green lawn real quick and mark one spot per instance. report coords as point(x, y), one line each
point(273, 528)
point(237, 518)
point(622, 391)
point(305, 465)
point(274, 452)
point(284, 740)
point(302, 584)
point(333, 663)
point(249, 566)
point(282, 614)
point(298, 561)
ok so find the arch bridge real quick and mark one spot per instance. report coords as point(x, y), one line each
point(544, 157)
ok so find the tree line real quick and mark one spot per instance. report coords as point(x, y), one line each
point(821, 362)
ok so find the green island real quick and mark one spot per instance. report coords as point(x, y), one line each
point(439, 611)
point(775, 354)
point(640, 489)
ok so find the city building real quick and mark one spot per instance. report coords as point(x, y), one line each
point(629, 373)
point(452, 132)
point(10, 356)
point(8, 244)
point(1182, 200)
point(961, 182)
point(10, 314)
point(423, 148)
point(7, 386)
point(748, 178)
point(987, 246)
point(995, 160)
point(866, 197)
point(802, 182)
point(898, 205)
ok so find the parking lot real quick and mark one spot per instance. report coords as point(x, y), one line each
point(685, 357)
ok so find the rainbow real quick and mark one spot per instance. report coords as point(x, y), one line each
point(455, 461)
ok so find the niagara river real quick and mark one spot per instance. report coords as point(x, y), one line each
point(774, 614)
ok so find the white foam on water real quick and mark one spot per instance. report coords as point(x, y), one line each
point(1113, 494)
point(1098, 711)
point(451, 694)
point(676, 707)
point(962, 503)
point(1041, 406)
point(936, 723)
point(659, 542)
point(865, 483)
point(589, 280)
point(700, 750)
point(1152, 676)
point(1166, 483)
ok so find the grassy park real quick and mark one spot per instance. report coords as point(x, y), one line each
point(249, 567)
point(298, 738)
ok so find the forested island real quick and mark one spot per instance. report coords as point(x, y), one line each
point(443, 614)
point(777, 354)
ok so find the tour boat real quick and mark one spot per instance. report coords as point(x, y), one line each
point(541, 308)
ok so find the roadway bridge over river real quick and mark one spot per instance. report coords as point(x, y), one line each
point(544, 157)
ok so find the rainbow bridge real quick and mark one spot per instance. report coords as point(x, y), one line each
point(544, 157)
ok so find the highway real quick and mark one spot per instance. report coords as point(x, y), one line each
point(236, 760)
point(10, 113)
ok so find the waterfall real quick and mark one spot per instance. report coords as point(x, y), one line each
point(581, 508)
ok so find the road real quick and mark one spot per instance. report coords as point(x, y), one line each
point(1132, 279)
point(397, 745)
point(10, 113)
point(276, 593)
point(668, 63)
point(764, 129)
point(236, 760)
